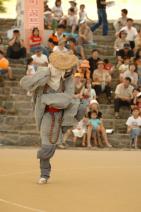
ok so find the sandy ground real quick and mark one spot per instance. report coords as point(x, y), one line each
point(82, 181)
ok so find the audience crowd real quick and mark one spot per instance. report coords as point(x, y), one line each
point(72, 33)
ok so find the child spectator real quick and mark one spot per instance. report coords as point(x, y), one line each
point(39, 58)
point(133, 127)
point(135, 93)
point(82, 13)
point(93, 128)
point(57, 10)
point(85, 33)
point(61, 47)
point(76, 49)
point(1, 44)
point(132, 74)
point(30, 70)
point(88, 93)
point(97, 129)
point(108, 66)
point(138, 102)
point(80, 131)
point(73, 5)
point(123, 68)
point(4, 66)
point(72, 21)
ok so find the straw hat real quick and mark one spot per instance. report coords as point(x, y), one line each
point(63, 61)
point(85, 64)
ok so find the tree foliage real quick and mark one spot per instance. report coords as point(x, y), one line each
point(2, 7)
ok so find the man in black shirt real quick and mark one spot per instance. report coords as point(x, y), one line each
point(102, 17)
point(126, 52)
point(93, 61)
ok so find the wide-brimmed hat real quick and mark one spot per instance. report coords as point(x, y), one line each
point(73, 1)
point(85, 64)
point(63, 61)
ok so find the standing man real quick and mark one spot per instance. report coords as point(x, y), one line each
point(102, 17)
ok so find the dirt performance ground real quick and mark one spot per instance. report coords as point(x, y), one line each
point(82, 181)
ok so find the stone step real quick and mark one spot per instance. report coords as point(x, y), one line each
point(26, 138)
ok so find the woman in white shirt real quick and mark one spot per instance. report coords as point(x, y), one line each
point(57, 10)
point(132, 74)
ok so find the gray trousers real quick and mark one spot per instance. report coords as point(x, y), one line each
point(50, 133)
point(45, 154)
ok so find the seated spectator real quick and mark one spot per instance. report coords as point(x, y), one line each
point(120, 41)
point(48, 20)
point(102, 80)
point(88, 93)
point(76, 49)
point(80, 131)
point(72, 21)
point(51, 44)
point(133, 127)
point(123, 68)
point(16, 49)
point(132, 74)
point(126, 52)
point(131, 32)
point(35, 41)
point(82, 13)
point(30, 69)
point(73, 5)
point(1, 44)
point(84, 70)
point(57, 11)
point(85, 33)
point(138, 40)
point(122, 21)
point(93, 61)
point(4, 67)
point(93, 127)
point(138, 63)
point(79, 86)
point(135, 93)
point(61, 47)
point(59, 33)
point(108, 66)
point(123, 95)
point(39, 58)
point(96, 128)
point(138, 102)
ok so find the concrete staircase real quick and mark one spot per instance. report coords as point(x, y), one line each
point(17, 126)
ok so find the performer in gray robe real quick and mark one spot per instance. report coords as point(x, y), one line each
point(53, 92)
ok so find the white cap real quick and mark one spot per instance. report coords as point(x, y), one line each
point(94, 101)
